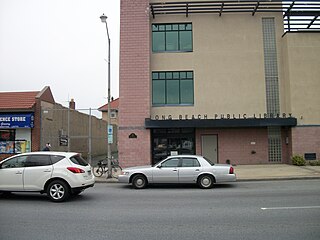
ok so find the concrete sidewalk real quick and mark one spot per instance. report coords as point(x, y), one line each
point(261, 172)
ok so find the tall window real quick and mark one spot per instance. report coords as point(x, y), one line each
point(172, 88)
point(172, 37)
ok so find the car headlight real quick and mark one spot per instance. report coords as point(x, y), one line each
point(125, 173)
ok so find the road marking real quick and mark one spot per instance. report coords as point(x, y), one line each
point(288, 208)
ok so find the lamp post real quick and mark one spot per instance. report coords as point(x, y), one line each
point(104, 20)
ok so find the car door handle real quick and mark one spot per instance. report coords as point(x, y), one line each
point(19, 172)
point(175, 170)
point(48, 170)
point(197, 170)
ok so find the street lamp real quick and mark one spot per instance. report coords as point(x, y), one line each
point(104, 20)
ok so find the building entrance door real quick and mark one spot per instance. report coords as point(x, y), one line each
point(210, 147)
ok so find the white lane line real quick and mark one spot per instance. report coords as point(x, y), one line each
point(288, 208)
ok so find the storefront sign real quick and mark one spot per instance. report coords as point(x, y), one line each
point(221, 116)
point(18, 120)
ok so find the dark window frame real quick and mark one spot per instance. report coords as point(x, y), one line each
point(164, 76)
point(174, 27)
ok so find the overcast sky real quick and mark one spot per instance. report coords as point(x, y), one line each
point(61, 44)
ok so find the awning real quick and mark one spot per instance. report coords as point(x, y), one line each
point(222, 123)
point(297, 15)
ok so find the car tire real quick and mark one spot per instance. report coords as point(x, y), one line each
point(205, 181)
point(58, 191)
point(139, 181)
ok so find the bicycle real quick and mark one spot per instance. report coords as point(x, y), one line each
point(102, 168)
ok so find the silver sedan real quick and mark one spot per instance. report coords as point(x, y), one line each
point(179, 169)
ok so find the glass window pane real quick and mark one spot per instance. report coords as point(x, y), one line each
point(162, 75)
point(162, 27)
point(168, 75)
point(189, 26)
point(158, 41)
point(168, 27)
point(182, 27)
point(183, 75)
point(171, 163)
point(190, 75)
point(185, 41)
point(155, 27)
point(186, 91)
point(155, 75)
point(176, 75)
point(175, 27)
point(172, 41)
point(173, 92)
point(158, 92)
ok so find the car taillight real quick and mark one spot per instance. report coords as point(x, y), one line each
point(75, 170)
point(231, 170)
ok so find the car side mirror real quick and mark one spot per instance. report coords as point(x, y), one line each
point(159, 166)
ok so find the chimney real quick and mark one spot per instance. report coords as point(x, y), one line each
point(72, 104)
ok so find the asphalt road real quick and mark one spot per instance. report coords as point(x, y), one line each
point(244, 210)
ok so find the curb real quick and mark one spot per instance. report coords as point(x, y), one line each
point(114, 180)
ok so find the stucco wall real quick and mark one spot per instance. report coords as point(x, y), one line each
point(302, 76)
point(227, 61)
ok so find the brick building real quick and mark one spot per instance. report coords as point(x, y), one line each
point(235, 81)
point(28, 120)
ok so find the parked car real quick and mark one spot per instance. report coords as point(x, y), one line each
point(59, 174)
point(179, 169)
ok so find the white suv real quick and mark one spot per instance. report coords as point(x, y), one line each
point(59, 174)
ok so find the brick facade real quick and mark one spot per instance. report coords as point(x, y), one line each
point(134, 84)
point(306, 139)
point(237, 145)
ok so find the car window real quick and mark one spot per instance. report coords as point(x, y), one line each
point(173, 162)
point(209, 161)
point(77, 159)
point(56, 158)
point(38, 160)
point(16, 162)
point(190, 162)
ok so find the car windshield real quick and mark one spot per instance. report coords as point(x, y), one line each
point(209, 161)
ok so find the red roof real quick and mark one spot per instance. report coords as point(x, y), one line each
point(113, 105)
point(17, 100)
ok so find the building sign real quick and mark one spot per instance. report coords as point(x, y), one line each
point(63, 140)
point(110, 134)
point(221, 116)
point(18, 120)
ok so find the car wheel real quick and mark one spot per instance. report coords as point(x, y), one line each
point(58, 191)
point(139, 182)
point(205, 181)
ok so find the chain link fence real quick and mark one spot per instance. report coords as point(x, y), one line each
point(76, 130)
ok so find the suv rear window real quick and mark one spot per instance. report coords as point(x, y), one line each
point(77, 159)
point(56, 158)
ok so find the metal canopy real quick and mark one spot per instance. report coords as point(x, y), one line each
point(298, 15)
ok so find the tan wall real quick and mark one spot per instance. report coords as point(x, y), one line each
point(302, 76)
point(228, 64)
point(54, 121)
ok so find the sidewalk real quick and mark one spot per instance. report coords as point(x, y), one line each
point(261, 172)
